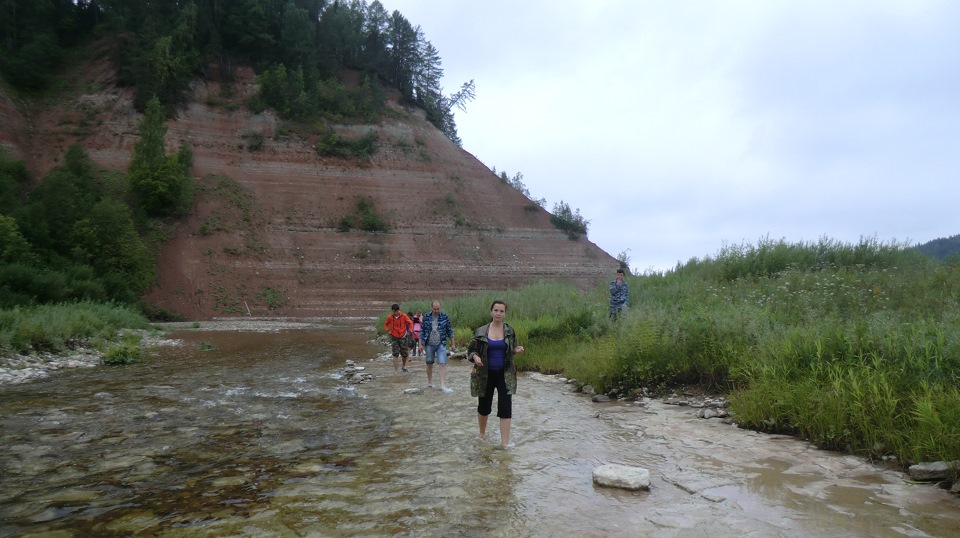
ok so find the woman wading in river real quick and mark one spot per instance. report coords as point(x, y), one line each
point(491, 351)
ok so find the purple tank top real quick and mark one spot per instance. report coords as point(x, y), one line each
point(496, 354)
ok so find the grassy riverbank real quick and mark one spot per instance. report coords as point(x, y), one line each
point(58, 328)
point(854, 347)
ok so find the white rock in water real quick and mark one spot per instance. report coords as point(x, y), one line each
point(622, 476)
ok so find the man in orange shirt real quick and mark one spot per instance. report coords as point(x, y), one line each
point(398, 325)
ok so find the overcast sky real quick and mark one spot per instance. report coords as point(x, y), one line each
point(679, 126)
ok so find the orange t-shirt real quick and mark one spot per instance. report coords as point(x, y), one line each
point(398, 325)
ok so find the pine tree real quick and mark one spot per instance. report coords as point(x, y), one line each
point(403, 54)
point(155, 178)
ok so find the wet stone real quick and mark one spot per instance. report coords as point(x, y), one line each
point(70, 496)
point(49, 534)
point(226, 481)
point(710, 412)
point(622, 476)
point(931, 471)
point(133, 523)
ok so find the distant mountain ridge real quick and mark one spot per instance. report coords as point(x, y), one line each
point(941, 248)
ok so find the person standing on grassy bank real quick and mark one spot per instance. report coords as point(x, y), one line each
point(619, 294)
point(491, 351)
point(398, 326)
point(434, 332)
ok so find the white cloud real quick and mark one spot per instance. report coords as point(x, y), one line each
point(679, 126)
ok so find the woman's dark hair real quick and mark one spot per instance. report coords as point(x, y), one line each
point(498, 301)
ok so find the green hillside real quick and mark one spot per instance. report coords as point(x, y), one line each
point(942, 248)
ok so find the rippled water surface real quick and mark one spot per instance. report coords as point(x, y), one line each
point(250, 434)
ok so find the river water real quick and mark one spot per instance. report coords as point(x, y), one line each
point(249, 433)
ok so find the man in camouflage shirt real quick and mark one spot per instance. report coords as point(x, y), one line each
point(619, 294)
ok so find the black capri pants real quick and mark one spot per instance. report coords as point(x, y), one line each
point(496, 380)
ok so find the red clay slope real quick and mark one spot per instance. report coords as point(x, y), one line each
point(262, 237)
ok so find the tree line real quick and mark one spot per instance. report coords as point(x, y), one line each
point(299, 48)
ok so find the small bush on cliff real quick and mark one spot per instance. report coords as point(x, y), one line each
point(568, 221)
point(253, 140)
point(333, 145)
point(373, 222)
point(367, 217)
point(370, 220)
point(345, 224)
point(272, 297)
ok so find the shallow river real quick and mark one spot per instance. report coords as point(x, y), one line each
point(241, 433)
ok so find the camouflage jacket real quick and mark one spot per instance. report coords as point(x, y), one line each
point(479, 344)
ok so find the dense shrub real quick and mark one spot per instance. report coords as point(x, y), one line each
point(370, 220)
point(124, 350)
point(333, 145)
point(60, 327)
point(13, 179)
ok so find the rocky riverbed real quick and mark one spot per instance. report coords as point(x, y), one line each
point(23, 368)
point(16, 368)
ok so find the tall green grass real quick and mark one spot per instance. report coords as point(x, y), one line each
point(56, 328)
point(855, 347)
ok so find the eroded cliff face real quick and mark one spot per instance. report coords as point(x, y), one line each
point(262, 238)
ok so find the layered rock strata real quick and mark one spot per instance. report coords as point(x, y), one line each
point(266, 233)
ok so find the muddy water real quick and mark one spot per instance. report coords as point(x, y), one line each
point(247, 434)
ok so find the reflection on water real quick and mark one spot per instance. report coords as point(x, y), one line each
point(246, 434)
